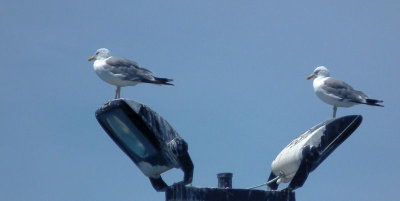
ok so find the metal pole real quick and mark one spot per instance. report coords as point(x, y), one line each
point(225, 180)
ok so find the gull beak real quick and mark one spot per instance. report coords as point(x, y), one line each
point(91, 58)
point(310, 76)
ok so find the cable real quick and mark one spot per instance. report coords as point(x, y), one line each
point(264, 184)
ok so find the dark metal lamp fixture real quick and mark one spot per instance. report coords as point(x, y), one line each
point(152, 144)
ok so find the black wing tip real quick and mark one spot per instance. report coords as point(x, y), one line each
point(164, 81)
point(168, 84)
point(374, 102)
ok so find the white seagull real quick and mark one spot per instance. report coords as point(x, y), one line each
point(122, 72)
point(336, 92)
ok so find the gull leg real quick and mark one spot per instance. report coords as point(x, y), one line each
point(334, 111)
point(117, 92)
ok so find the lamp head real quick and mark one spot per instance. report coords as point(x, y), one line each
point(151, 143)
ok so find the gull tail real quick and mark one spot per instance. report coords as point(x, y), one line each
point(165, 81)
point(373, 102)
point(159, 80)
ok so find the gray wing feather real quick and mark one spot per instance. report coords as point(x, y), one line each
point(344, 91)
point(127, 69)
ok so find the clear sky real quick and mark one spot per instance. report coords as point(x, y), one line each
point(240, 94)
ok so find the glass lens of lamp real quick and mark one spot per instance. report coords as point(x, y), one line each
point(129, 135)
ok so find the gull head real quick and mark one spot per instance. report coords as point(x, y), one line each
point(101, 53)
point(320, 71)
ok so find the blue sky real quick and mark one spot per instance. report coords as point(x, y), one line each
point(240, 94)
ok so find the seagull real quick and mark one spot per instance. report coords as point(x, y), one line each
point(336, 92)
point(122, 72)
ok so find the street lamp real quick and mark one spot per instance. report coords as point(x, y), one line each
point(155, 147)
point(306, 152)
point(152, 144)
